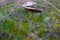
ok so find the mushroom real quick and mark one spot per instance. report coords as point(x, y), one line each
point(31, 7)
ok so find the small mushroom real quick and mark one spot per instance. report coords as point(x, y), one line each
point(31, 7)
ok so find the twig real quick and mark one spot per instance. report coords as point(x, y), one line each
point(52, 5)
point(11, 10)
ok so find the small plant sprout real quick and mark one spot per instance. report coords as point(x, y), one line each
point(32, 8)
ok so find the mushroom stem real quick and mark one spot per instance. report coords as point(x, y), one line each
point(30, 22)
point(30, 15)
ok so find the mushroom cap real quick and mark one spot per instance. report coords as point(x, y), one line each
point(33, 9)
point(29, 3)
point(31, 6)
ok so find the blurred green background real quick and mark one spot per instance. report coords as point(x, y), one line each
point(18, 26)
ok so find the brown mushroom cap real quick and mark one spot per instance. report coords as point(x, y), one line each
point(32, 7)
